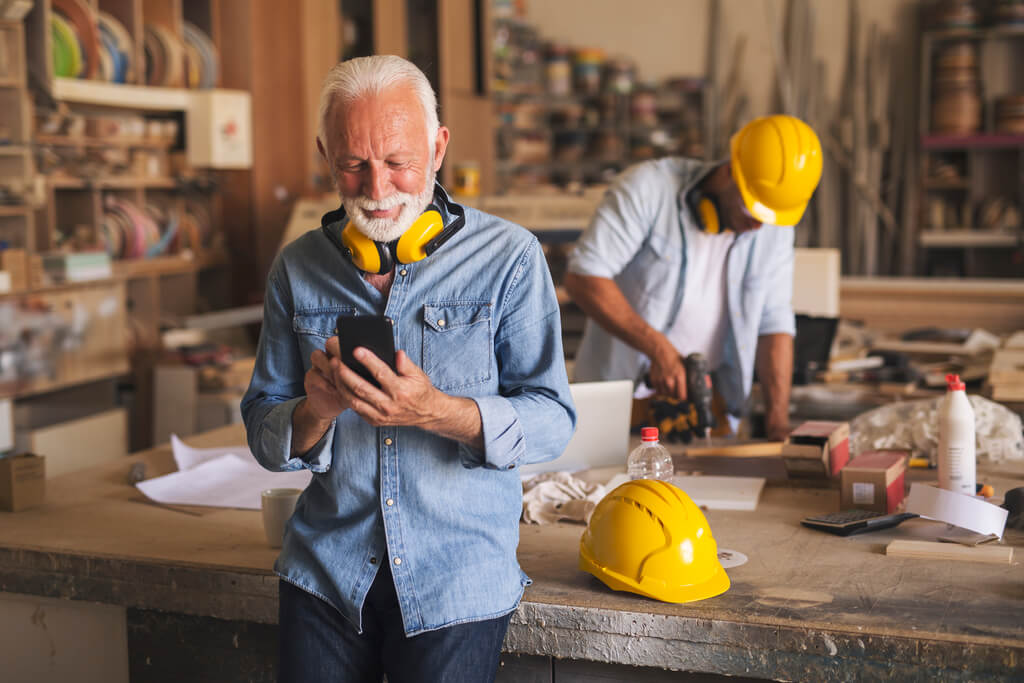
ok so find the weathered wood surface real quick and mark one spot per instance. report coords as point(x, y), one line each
point(807, 605)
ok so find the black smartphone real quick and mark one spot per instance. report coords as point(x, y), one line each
point(373, 332)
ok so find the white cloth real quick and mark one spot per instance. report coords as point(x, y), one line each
point(703, 319)
point(559, 496)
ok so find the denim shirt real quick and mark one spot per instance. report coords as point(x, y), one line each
point(639, 238)
point(480, 317)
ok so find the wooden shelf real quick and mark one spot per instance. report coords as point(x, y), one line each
point(104, 94)
point(131, 269)
point(14, 209)
point(979, 141)
point(11, 83)
point(968, 238)
point(26, 388)
point(959, 184)
point(114, 183)
point(988, 33)
point(67, 141)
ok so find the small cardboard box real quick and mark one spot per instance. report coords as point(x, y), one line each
point(874, 481)
point(22, 482)
point(817, 450)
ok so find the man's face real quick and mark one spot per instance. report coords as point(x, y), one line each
point(379, 151)
point(736, 217)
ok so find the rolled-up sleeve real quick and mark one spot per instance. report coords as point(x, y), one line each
point(533, 417)
point(777, 316)
point(277, 387)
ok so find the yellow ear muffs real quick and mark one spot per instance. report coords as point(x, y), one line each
point(367, 255)
point(412, 244)
point(709, 216)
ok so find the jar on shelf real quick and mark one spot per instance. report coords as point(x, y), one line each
point(558, 72)
point(1009, 116)
point(570, 146)
point(1008, 12)
point(588, 64)
point(620, 74)
point(643, 107)
point(956, 104)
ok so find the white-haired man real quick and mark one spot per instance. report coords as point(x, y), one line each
point(400, 558)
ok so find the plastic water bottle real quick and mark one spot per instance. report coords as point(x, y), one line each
point(956, 439)
point(650, 460)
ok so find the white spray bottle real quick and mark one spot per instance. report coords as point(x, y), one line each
point(956, 439)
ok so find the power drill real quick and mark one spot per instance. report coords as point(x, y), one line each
point(698, 392)
point(680, 420)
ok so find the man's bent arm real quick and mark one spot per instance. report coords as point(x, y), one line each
point(601, 299)
point(775, 371)
point(307, 429)
point(458, 419)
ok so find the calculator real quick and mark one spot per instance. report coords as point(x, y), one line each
point(850, 522)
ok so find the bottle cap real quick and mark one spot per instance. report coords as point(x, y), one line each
point(953, 383)
point(649, 434)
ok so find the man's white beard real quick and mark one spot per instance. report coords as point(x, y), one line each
point(388, 229)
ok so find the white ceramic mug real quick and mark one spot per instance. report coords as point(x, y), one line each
point(278, 506)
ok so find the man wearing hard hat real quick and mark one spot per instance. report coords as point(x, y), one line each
point(687, 257)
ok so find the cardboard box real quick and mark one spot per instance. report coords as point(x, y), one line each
point(22, 482)
point(817, 450)
point(874, 481)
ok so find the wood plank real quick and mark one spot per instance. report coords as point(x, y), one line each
point(754, 449)
point(931, 550)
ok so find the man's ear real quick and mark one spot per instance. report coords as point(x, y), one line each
point(440, 146)
point(320, 148)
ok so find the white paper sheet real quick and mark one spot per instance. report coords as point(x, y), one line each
point(186, 457)
point(227, 480)
point(712, 492)
point(957, 509)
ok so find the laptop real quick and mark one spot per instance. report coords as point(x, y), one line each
point(602, 428)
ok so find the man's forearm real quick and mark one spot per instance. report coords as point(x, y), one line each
point(775, 370)
point(307, 428)
point(458, 419)
point(601, 299)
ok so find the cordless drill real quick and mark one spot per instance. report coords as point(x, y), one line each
point(698, 393)
point(680, 420)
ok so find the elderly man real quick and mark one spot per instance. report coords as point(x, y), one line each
point(400, 558)
point(684, 257)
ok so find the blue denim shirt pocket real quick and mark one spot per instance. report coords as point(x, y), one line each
point(314, 327)
point(457, 343)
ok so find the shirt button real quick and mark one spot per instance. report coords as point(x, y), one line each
point(387, 441)
point(335, 330)
point(398, 560)
point(440, 323)
point(390, 502)
point(403, 272)
point(373, 560)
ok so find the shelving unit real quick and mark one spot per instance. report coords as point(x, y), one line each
point(569, 118)
point(972, 171)
point(86, 169)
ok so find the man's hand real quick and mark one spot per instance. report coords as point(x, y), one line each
point(668, 374)
point(324, 400)
point(776, 429)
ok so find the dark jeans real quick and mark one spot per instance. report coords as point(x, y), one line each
point(319, 645)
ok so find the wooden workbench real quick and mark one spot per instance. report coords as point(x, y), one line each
point(807, 606)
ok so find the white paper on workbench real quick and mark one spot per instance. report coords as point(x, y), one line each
point(186, 457)
point(229, 480)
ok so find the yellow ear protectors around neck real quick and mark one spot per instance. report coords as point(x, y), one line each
point(705, 210)
point(709, 216)
point(420, 240)
point(381, 257)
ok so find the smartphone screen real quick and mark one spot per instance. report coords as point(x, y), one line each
point(373, 332)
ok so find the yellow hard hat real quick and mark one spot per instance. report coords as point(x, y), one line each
point(648, 537)
point(776, 163)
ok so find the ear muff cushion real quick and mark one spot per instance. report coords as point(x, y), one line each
point(709, 216)
point(364, 252)
point(412, 242)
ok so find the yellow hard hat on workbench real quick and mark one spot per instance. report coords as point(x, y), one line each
point(648, 537)
point(776, 163)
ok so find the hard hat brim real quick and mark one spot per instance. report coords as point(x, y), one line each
point(717, 584)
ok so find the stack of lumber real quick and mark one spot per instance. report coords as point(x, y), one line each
point(1006, 373)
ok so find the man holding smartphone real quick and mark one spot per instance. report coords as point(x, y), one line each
point(400, 558)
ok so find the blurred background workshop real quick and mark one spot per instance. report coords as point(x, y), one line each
point(157, 155)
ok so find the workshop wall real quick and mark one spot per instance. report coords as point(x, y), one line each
point(670, 37)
